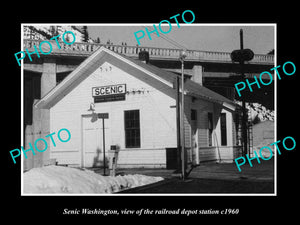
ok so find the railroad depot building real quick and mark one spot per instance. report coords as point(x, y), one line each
point(140, 100)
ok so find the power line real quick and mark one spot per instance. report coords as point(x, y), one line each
point(171, 41)
point(175, 43)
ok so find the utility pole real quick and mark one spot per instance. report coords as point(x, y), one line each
point(178, 124)
point(241, 56)
point(245, 116)
point(182, 57)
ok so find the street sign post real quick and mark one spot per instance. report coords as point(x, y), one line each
point(103, 116)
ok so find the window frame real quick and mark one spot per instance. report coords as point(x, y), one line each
point(194, 114)
point(223, 132)
point(210, 120)
point(132, 142)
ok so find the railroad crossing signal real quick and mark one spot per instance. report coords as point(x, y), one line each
point(242, 55)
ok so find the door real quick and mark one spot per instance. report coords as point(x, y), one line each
point(92, 141)
point(171, 157)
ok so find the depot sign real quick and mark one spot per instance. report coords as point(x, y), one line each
point(109, 93)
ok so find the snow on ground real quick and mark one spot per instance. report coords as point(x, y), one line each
point(59, 179)
point(259, 112)
point(265, 152)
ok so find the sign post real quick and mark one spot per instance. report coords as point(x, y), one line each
point(103, 116)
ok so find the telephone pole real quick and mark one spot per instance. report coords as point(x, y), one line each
point(183, 166)
point(178, 124)
point(245, 116)
point(241, 55)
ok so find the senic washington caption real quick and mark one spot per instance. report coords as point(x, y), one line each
point(90, 211)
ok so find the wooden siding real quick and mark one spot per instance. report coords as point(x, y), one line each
point(207, 154)
point(157, 119)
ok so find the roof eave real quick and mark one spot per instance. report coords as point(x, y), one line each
point(230, 106)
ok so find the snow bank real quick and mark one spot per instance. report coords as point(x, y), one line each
point(261, 112)
point(258, 112)
point(59, 179)
point(265, 152)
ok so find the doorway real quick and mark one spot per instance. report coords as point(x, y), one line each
point(92, 141)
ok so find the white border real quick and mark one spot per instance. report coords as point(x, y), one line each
point(275, 104)
point(22, 109)
point(147, 24)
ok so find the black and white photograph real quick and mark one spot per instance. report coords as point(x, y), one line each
point(102, 118)
point(182, 112)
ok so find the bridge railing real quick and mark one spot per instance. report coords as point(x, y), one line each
point(79, 48)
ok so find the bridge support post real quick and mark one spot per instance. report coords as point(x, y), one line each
point(39, 128)
point(48, 79)
point(197, 74)
point(41, 119)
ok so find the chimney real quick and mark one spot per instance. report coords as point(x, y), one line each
point(144, 56)
point(197, 74)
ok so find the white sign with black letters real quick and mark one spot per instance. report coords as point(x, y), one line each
point(109, 93)
point(109, 90)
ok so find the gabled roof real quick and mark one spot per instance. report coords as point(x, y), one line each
point(103, 54)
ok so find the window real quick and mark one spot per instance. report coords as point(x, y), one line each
point(223, 129)
point(132, 129)
point(193, 114)
point(210, 128)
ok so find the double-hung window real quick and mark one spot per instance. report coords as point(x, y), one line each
point(132, 129)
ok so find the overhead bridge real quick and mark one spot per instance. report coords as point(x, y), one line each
point(212, 69)
point(168, 54)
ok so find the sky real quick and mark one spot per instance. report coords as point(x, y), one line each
point(206, 37)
